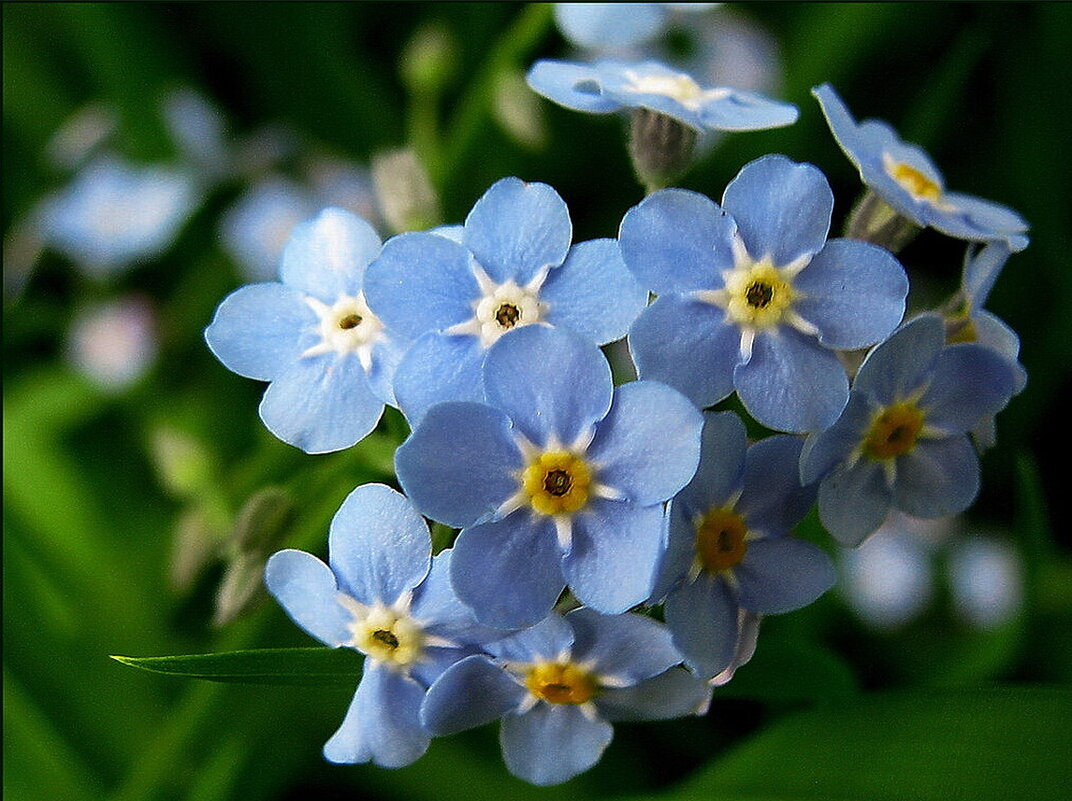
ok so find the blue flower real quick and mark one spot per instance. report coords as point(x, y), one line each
point(558, 686)
point(753, 297)
point(457, 291)
point(558, 479)
point(257, 227)
point(729, 548)
point(607, 86)
point(615, 26)
point(902, 440)
point(903, 175)
point(384, 596)
point(327, 356)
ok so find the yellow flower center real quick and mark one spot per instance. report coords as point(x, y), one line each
point(560, 683)
point(388, 636)
point(894, 431)
point(720, 542)
point(557, 482)
point(913, 181)
point(758, 295)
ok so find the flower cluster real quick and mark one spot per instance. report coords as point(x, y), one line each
point(614, 546)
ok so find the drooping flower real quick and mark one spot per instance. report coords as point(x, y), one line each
point(383, 595)
point(328, 358)
point(904, 176)
point(752, 296)
point(558, 479)
point(455, 293)
point(559, 685)
point(730, 547)
point(902, 439)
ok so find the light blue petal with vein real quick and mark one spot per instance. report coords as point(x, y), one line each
point(543, 642)
point(677, 241)
point(939, 477)
point(321, 403)
point(902, 364)
point(260, 329)
point(991, 332)
point(629, 647)
point(437, 368)
point(306, 588)
point(592, 293)
point(853, 292)
point(969, 217)
point(673, 694)
point(721, 470)
point(382, 724)
point(779, 574)
point(575, 86)
point(327, 255)
point(552, 743)
point(982, 266)
point(379, 546)
point(421, 282)
point(853, 503)
point(616, 547)
point(791, 383)
point(387, 353)
point(517, 229)
point(457, 466)
point(508, 571)
point(824, 450)
point(470, 693)
point(550, 382)
point(702, 617)
point(688, 345)
point(648, 445)
point(970, 382)
point(782, 208)
point(441, 613)
point(606, 26)
point(746, 111)
point(773, 500)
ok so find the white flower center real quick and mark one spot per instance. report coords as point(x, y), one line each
point(502, 307)
point(387, 633)
point(680, 87)
point(347, 326)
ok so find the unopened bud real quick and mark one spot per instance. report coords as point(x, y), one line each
point(195, 545)
point(429, 60)
point(407, 199)
point(519, 110)
point(661, 148)
point(876, 221)
point(263, 521)
point(182, 462)
point(241, 589)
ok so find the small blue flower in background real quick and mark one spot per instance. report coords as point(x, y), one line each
point(558, 686)
point(729, 546)
point(384, 596)
point(456, 291)
point(753, 297)
point(904, 176)
point(608, 86)
point(612, 26)
point(256, 228)
point(328, 359)
point(902, 440)
point(558, 479)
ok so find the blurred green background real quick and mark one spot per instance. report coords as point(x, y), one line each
point(96, 483)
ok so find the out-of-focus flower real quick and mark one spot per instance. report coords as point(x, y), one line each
point(986, 579)
point(257, 227)
point(81, 135)
point(199, 131)
point(607, 27)
point(114, 343)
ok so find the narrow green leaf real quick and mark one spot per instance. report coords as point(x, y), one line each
point(307, 667)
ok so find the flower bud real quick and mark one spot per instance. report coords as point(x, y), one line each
point(660, 146)
point(407, 199)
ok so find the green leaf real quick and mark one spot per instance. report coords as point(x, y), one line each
point(308, 667)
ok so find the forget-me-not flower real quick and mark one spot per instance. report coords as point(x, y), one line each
point(312, 335)
point(904, 176)
point(729, 545)
point(902, 440)
point(383, 595)
point(457, 291)
point(558, 479)
point(558, 686)
point(615, 26)
point(753, 297)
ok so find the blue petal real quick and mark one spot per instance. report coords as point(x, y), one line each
point(379, 546)
point(260, 329)
point(470, 693)
point(382, 723)
point(517, 229)
point(508, 572)
point(853, 503)
point(687, 344)
point(823, 451)
point(305, 587)
point(746, 111)
point(387, 353)
point(981, 271)
point(549, 381)
point(853, 292)
point(970, 382)
point(440, 611)
point(782, 208)
point(677, 241)
point(792, 383)
point(673, 694)
point(458, 465)
point(898, 367)
point(575, 86)
point(968, 217)
point(680, 551)
point(605, 26)
point(421, 282)
point(779, 574)
point(939, 477)
point(552, 743)
point(321, 403)
point(992, 333)
point(438, 368)
point(630, 648)
point(773, 500)
point(592, 293)
point(548, 640)
point(648, 445)
point(327, 256)
point(721, 471)
point(702, 617)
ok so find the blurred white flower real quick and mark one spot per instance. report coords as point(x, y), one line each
point(114, 343)
point(986, 579)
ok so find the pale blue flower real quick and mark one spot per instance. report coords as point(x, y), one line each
point(614, 26)
point(257, 227)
